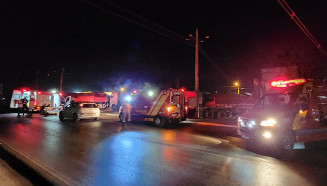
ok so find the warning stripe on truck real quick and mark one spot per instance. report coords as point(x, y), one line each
point(156, 106)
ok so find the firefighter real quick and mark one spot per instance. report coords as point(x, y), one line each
point(127, 108)
point(24, 107)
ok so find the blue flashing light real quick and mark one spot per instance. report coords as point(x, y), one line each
point(128, 98)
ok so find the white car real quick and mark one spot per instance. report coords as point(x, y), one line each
point(78, 110)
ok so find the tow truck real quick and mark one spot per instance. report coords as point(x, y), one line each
point(293, 110)
point(169, 106)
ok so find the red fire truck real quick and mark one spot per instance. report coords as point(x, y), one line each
point(167, 106)
point(89, 97)
point(293, 110)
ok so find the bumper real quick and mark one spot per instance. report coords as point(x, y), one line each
point(261, 134)
point(88, 115)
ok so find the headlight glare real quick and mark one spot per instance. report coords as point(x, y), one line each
point(268, 123)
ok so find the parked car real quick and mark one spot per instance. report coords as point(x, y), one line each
point(80, 110)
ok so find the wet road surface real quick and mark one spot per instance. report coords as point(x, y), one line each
point(103, 152)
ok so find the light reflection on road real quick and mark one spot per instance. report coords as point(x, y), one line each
point(100, 153)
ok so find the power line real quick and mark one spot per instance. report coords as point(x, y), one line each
point(299, 23)
point(145, 23)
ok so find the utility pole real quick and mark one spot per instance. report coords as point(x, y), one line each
point(196, 87)
point(61, 77)
point(197, 71)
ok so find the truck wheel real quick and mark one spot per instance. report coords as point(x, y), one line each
point(221, 114)
point(121, 117)
point(75, 117)
point(159, 121)
point(287, 141)
point(95, 118)
point(61, 116)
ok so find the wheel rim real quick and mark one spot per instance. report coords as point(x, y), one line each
point(287, 142)
point(157, 121)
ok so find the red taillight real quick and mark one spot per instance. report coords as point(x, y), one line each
point(35, 103)
point(287, 83)
point(39, 92)
point(186, 108)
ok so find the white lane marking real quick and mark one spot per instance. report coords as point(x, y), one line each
point(215, 124)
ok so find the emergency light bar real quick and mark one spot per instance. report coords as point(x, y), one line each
point(287, 83)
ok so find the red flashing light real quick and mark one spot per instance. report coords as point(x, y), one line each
point(24, 89)
point(287, 83)
point(61, 94)
point(135, 91)
point(182, 89)
point(39, 92)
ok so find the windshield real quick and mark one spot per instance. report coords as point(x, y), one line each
point(274, 101)
point(175, 100)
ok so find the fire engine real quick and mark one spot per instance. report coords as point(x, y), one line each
point(169, 106)
point(100, 98)
point(292, 110)
point(35, 99)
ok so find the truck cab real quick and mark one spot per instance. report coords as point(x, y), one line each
point(291, 113)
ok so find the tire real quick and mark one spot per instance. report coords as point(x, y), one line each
point(287, 141)
point(75, 117)
point(159, 121)
point(221, 115)
point(95, 118)
point(121, 117)
point(61, 116)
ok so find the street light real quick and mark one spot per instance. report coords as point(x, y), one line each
point(122, 89)
point(237, 84)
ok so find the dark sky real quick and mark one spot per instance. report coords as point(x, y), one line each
point(100, 51)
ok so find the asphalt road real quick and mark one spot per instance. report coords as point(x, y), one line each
point(103, 152)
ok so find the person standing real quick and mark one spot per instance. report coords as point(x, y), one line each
point(22, 106)
point(127, 108)
point(25, 108)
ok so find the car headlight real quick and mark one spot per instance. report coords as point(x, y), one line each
point(268, 123)
point(251, 123)
point(241, 122)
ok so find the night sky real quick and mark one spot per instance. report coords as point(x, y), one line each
point(102, 49)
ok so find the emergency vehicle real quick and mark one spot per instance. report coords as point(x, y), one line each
point(36, 99)
point(169, 106)
point(292, 110)
point(100, 98)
